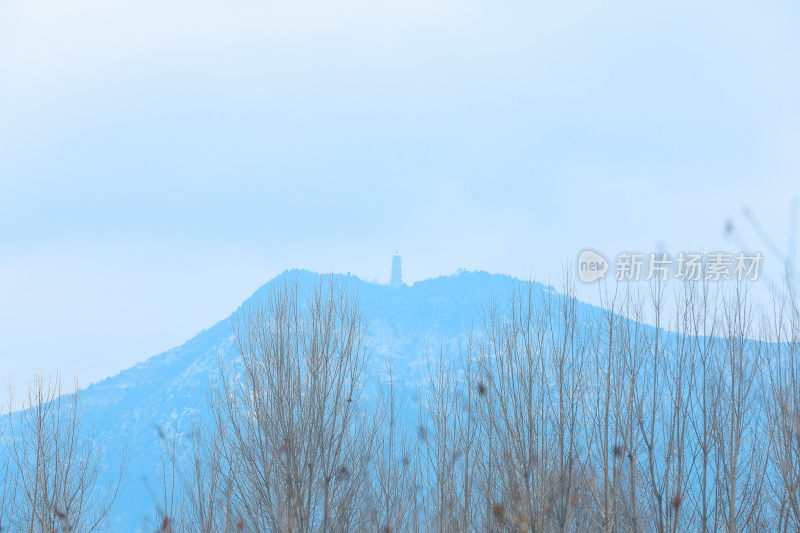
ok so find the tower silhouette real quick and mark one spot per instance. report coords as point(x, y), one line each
point(397, 271)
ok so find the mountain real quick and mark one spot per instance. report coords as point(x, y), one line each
point(161, 395)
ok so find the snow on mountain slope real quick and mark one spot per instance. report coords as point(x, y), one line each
point(404, 325)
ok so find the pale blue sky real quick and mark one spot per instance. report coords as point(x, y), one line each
point(161, 160)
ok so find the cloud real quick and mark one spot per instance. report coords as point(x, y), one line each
point(327, 134)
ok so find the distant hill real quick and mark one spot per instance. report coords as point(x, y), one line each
point(162, 394)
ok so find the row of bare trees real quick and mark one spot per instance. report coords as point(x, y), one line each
point(551, 416)
point(671, 408)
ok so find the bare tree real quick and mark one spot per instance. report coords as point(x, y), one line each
point(533, 361)
point(663, 407)
point(702, 327)
point(608, 417)
point(395, 493)
point(739, 421)
point(208, 506)
point(195, 494)
point(566, 361)
point(57, 465)
point(783, 409)
point(297, 439)
point(9, 476)
point(448, 435)
point(517, 378)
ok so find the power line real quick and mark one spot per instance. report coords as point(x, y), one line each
point(149, 352)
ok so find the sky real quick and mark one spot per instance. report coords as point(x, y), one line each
point(159, 161)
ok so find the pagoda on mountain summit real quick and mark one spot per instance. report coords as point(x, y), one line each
point(397, 271)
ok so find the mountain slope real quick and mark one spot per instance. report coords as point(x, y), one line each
point(130, 410)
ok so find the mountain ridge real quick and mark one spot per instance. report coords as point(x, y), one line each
point(162, 395)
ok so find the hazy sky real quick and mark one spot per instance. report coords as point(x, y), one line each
point(161, 160)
